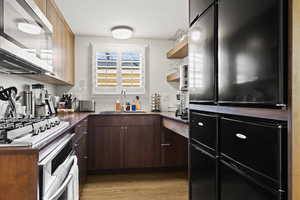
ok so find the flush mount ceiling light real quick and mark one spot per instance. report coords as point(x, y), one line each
point(122, 32)
point(32, 29)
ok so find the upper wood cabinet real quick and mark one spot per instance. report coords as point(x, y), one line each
point(42, 4)
point(63, 44)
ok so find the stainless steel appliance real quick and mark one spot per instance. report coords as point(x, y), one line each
point(182, 104)
point(28, 102)
point(33, 132)
point(25, 38)
point(59, 171)
point(183, 74)
point(87, 106)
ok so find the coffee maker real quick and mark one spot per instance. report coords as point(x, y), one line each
point(182, 94)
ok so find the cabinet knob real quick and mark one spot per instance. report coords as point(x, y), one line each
point(200, 124)
point(165, 145)
point(85, 157)
point(241, 136)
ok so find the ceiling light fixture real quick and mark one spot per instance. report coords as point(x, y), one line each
point(31, 29)
point(122, 32)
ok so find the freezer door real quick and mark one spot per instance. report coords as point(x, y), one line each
point(203, 130)
point(261, 147)
point(235, 185)
point(202, 173)
point(202, 65)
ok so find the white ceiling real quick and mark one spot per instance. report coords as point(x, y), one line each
point(149, 18)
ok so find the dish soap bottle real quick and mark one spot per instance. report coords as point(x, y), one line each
point(138, 103)
point(118, 106)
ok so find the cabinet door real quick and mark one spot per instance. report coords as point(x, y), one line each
point(141, 146)
point(197, 7)
point(41, 4)
point(203, 178)
point(202, 59)
point(105, 148)
point(57, 39)
point(81, 153)
point(69, 71)
point(174, 149)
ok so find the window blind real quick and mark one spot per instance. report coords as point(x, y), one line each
point(120, 68)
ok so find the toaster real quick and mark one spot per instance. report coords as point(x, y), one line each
point(87, 106)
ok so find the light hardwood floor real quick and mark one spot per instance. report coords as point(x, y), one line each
point(140, 186)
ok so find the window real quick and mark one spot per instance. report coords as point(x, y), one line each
point(119, 67)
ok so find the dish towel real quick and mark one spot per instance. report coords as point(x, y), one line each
point(73, 188)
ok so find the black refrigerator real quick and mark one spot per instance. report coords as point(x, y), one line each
point(202, 58)
point(252, 48)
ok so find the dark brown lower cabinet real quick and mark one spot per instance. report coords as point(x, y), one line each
point(124, 142)
point(131, 142)
point(105, 148)
point(141, 146)
point(174, 149)
point(80, 148)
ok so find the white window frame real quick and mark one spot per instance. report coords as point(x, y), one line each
point(119, 48)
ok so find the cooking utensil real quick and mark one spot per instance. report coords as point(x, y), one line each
point(9, 94)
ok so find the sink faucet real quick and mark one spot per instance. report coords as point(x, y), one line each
point(123, 100)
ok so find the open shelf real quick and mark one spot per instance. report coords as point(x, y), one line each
point(179, 51)
point(173, 77)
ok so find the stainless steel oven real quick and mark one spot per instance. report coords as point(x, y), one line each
point(59, 171)
point(25, 38)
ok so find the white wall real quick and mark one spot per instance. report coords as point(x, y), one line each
point(157, 68)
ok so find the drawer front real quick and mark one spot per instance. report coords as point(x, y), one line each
point(254, 145)
point(203, 178)
point(109, 120)
point(203, 129)
point(141, 120)
point(235, 186)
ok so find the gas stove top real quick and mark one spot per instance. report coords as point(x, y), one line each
point(30, 132)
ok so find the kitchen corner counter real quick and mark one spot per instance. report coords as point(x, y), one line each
point(73, 118)
point(171, 115)
point(169, 120)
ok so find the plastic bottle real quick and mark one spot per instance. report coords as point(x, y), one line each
point(133, 106)
point(138, 103)
point(118, 106)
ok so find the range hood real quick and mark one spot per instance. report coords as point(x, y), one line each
point(15, 44)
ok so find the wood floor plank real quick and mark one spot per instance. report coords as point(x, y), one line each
point(140, 186)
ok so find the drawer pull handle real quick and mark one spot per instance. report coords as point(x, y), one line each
point(241, 136)
point(165, 145)
point(200, 124)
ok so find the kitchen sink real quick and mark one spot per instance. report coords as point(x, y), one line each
point(126, 112)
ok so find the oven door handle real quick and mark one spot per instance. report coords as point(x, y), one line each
point(55, 149)
point(62, 188)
